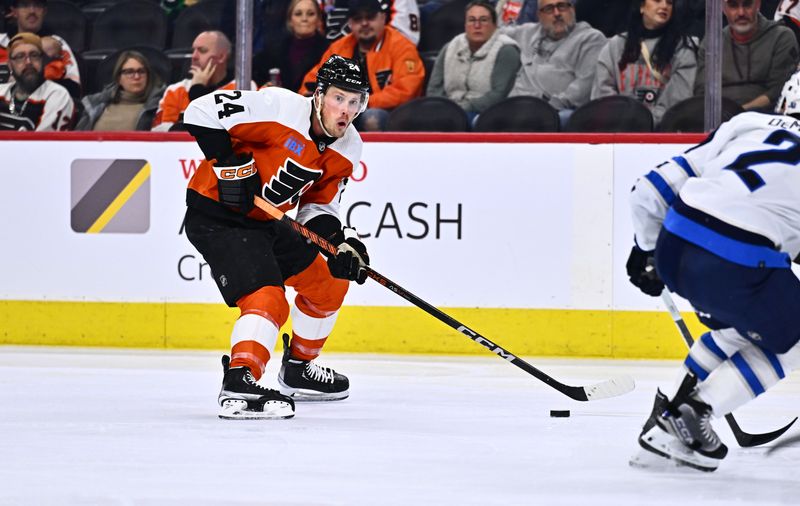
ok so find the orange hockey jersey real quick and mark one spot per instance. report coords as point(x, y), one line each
point(274, 124)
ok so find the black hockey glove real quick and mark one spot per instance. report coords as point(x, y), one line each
point(642, 272)
point(238, 181)
point(351, 258)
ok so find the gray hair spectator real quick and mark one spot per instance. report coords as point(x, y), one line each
point(654, 61)
point(477, 68)
point(758, 56)
point(129, 102)
point(31, 102)
point(559, 56)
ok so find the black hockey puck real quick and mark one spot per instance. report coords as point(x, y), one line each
point(559, 413)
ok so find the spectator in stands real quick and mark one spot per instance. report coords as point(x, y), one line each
point(558, 57)
point(300, 49)
point(517, 12)
point(394, 68)
point(478, 67)
point(209, 71)
point(31, 102)
point(129, 102)
point(654, 61)
point(61, 65)
point(403, 15)
point(758, 56)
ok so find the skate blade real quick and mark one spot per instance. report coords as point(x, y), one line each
point(300, 395)
point(665, 447)
point(234, 409)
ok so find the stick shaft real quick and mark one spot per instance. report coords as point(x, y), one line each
point(577, 393)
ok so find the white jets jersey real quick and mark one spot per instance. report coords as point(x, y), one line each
point(745, 175)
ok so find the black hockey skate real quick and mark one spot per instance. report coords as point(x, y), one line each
point(681, 430)
point(303, 380)
point(242, 398)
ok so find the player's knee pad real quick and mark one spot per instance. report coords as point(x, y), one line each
point(268, 302)
point(712, 349)
point(320, 291)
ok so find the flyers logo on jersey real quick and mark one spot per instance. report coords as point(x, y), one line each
point(289, 183)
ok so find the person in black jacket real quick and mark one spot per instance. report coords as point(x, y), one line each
point(297, 51)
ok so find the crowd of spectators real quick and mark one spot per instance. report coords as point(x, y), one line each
point(566, 53)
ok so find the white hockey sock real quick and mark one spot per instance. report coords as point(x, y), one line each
point(254, 327)
point(748, 373)
point(707, 353)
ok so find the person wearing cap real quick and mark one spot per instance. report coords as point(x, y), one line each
point(404, 15)
point(60, 65)
point(31, 102)
point(392, 63)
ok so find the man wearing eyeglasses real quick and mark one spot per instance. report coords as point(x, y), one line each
point(758, 56)
point(558, 57)
point(31, 102)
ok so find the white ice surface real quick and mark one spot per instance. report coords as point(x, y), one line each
point(121, 427)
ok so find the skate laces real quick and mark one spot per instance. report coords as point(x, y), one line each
point(706, 430)
point(318, 373)
point(251, 380)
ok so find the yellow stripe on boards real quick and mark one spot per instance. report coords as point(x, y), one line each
point(525, 332)
point(120, 200)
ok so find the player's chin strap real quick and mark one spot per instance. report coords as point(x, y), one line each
point(318, 110)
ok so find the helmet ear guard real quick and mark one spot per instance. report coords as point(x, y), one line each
point(789, 101)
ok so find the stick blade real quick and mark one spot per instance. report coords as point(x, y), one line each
point(613, 387)
point(747, 440)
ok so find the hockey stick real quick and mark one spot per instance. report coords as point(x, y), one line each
point(609, 388)
point(744, 439)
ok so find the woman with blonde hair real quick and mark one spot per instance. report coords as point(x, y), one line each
point(129, 102)
point(300, 49)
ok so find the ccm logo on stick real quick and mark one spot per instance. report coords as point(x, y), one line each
point(230, 173)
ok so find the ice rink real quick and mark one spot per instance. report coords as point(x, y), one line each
point(130, 427)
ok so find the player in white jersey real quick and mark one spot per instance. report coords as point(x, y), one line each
point(720, 226)
point(294, 152)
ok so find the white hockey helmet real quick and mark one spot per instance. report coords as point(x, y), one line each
point(789, 102)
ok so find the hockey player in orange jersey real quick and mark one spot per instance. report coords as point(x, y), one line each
point(295, 152)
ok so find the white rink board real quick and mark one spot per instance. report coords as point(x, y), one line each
point(541, 225)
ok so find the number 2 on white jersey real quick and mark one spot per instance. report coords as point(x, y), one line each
point(789, 155)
